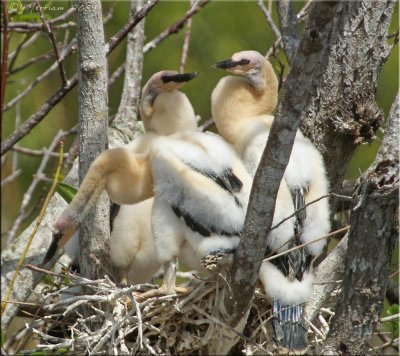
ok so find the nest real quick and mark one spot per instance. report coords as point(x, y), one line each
point(109, 320)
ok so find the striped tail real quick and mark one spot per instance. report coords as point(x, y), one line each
point(289, 328)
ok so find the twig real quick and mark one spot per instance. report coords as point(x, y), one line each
point(186, 41)
point(390, 318)
point(53, 42)
point(209, 123)
point(38, 116)
point(24, 44)
point(66, 52)
point(39, 220)
point(15, 54)
point(14, 163)
point(176, 26)
point(5, 55)
point(116, 74)
point(28, 194)
point(35, 26)
point(36, 153)
point(42, 57)
point(116, 39)
point(306, 244)
point(308, 204)
point(41, 270)
point(269, 19)
point(11, 177)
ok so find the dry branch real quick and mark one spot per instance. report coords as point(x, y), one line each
point(39, 115)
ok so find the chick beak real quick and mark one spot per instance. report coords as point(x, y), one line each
point(179, 78)
point(229, 63)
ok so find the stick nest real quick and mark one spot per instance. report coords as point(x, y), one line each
point(109, 320)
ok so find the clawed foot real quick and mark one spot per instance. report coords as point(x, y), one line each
point(217, 259)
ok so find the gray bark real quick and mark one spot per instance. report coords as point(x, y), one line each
point(126, 119)
point(94, 232)
point(331, 86)
point(289, 28)
point(371, 242)
point(300, 86)
point(343, 113)
point(329, 271)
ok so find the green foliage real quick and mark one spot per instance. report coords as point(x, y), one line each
point(66, 191)
point(393, 325)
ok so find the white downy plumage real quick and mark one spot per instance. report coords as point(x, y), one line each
point(201, 195)
point(242, 107)
point(164, 110)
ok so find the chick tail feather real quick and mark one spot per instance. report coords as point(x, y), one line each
point(289, 328)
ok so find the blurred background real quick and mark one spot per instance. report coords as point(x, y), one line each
point(219, 29)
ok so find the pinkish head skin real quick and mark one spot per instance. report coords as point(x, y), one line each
point(63, 230)
point(169, 80)
point(248, 64)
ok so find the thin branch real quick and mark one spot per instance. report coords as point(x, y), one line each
point(176, 26)
point(186, 42)
point(11, 177)
point(38, 222)
point(38, 116)
point(35, 26)
point(24, 44)
point(37, 177)
point(66, 52)
point(117, 38)
point(308, 204)
point(209, 123)
point(390, 318)
point(54, 43)
point(27, 126)
point(116, 74)
point(14, 163)
point(42, 57)
point(5, 55)
point(269, 19)
point(333, 233)
point(36, 153)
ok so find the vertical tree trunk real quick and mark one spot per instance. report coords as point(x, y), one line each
point(94, 234)
point(126, 119)
point(372, 236)
point(344, 113)
point(300, 86)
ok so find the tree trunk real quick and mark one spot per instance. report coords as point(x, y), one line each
point(94, 233)
point(372, 235)
point(331, 86)
point(300, 86)
point(126, 119)
point(343, 113)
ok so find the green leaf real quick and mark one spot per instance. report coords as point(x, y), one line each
point(2, 338)
point(48, 280)
point(394, 324)
point(66, 191)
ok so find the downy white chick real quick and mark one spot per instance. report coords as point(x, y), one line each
point(164, 110)
point(242, 107)
point(115, 170)
point(201, 195)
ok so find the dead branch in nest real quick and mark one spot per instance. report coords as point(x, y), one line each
point(168, 324)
